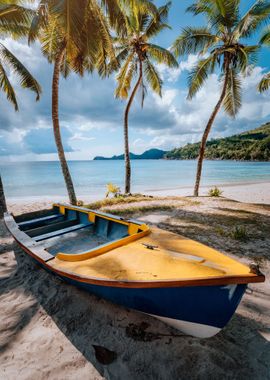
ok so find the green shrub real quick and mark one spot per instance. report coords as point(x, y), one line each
point(215, 192)
point(113, 189)
point(239, 233)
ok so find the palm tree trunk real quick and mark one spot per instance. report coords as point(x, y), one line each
point(3, 205)
point(126, 141)
point(56, 127)
point(206, 133)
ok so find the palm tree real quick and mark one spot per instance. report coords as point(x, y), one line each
point(14, 20)
point(74, 36)
point(265, 81)
point(222, 47)
point(137, 58)
point(3, 205)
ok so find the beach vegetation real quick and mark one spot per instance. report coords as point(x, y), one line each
point(114, 190)
point(137, 58)
point(122, 199)
point(138, 209)
point(215, 192)
point(239, 233)
point(222, 48)
point(220, 231)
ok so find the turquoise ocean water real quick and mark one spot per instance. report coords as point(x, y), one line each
point(26, 179)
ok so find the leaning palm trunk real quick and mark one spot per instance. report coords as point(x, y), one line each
point(56, 128)
point(206, 133)
point(3, 205)
point(126, 141)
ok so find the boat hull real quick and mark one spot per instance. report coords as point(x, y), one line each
point(200, 311)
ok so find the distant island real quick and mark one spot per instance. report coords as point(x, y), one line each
point(253, 145)
point(151, 154)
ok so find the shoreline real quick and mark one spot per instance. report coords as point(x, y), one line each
point(249, 192)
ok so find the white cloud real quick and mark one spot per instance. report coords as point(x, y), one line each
point(79, 137)
point(172, 75)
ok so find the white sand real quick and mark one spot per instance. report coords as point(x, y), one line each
point(48, 328)
point(249, 193)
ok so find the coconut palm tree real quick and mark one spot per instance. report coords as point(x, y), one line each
point(14, 21)
point(3, 205)
point(265, 81)
point(222, 48)
point(74, 36)
point(137, 57)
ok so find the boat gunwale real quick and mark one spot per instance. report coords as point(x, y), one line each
point(85, 210)
point(225, 280)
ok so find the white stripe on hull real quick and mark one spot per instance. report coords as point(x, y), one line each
point(195, 329)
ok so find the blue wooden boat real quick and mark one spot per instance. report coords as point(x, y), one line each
point(180, 281)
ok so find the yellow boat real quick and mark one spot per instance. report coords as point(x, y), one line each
point(180, 281)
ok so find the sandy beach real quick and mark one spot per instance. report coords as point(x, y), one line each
point(249, 193)
point(51, 330)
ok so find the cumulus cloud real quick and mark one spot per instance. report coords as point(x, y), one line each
point(172, 75)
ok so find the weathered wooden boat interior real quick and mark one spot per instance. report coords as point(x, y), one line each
point(74, 232)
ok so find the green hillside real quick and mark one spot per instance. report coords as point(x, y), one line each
point(252, 145)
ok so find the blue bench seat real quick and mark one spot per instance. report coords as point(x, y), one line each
point(38, 221)
point(63, 231)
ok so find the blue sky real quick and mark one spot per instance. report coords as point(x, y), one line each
point(92, 119)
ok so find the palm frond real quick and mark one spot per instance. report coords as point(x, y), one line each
point(65, 66)
point(51, 38)
point(251, 56)
point(265, 38)
point(14, 19)
point(121, 90)
point(12, 13)
point(6, 86)
point(39, 21)
point(220, 14)
point(257, 15)
point(71, 19)
point(128, 79)
point(115, 15)
point(143, 6)
point(264, 84)
point(161, 55)
point(26, 79)
point(199, 75)
point(156, 25)
point(152, 77)
point(233, 98)
point(194, 40)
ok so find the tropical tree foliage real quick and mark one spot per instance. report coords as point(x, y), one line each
point(137, 58)
point(222, 48)
point(14, 21)
point(265, 81)
point(74, 36)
